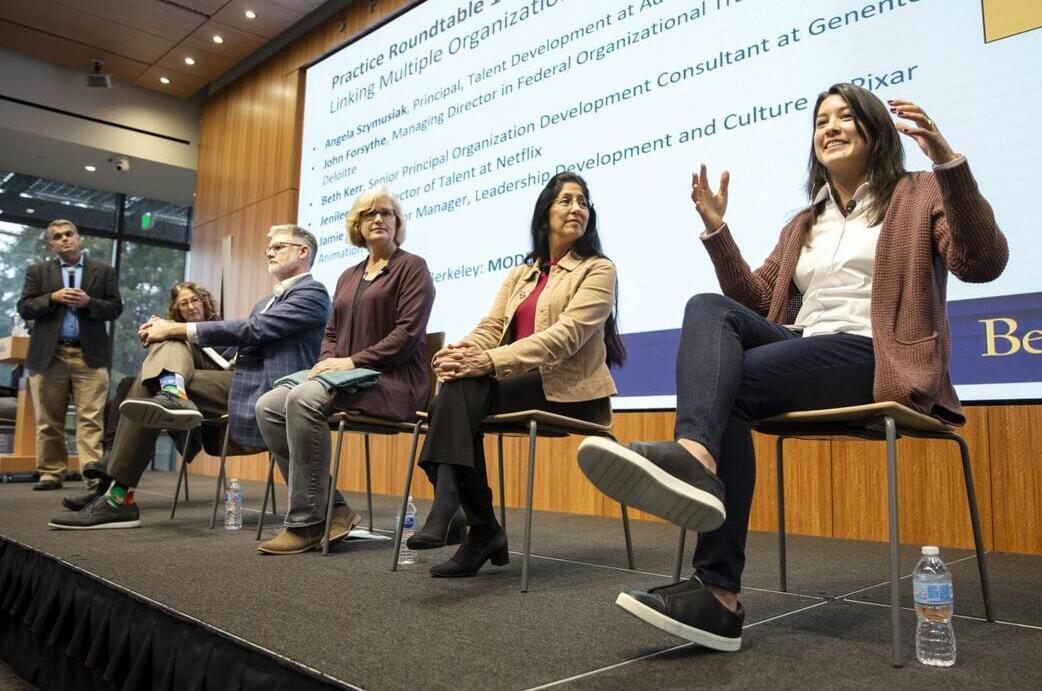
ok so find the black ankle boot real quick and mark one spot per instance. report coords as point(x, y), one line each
point(438, 533)
point(479, 547)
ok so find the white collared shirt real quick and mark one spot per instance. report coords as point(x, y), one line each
point(834, 271)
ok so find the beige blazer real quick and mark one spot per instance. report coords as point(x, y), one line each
point(568, 343)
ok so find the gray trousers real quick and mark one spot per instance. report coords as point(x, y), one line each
point(295, 429)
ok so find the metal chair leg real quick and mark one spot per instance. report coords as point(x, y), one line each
point(502, 490)
point(532, 437)
point(269, 486)
point(368, 483)
point(678, 557)
point(978, 540)
point(630, 564)
point(335, 462)
point(182, 475)
point(781, 515)
point(895, 595)
point(220, 477)
point(399, 524)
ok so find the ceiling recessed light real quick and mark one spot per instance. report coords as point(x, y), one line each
point(90, 169)
point(218, 39)
point(250, 14)
point(30, 211)
point(189, 61)
point(25, 195)
point(164, 80)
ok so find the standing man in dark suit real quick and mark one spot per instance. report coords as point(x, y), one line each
point(176, 386)
point(69, 300)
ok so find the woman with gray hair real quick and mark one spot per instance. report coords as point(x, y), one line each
point(379, 321)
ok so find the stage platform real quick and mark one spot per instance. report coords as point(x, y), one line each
point(209, 604)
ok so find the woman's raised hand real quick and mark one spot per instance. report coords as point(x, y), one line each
point(923, 130)
point(710, 205)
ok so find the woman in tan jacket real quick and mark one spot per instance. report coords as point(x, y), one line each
point(861, 275)
point(547, 343)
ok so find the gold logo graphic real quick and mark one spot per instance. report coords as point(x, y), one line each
point(1005, 18)
point(1001, 338)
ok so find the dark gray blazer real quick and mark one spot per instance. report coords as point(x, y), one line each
point(98, 281)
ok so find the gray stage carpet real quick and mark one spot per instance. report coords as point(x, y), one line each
point(349, 617)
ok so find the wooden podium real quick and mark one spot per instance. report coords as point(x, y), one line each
point(23, 457)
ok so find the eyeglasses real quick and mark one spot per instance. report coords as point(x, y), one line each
point(189, 302)
point(371, 214)
point(279, 246)
point(568, 201)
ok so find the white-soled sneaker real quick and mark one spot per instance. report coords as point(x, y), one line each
point(661, 478)
point(688, 610)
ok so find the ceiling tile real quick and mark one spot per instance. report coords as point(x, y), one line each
point(271, 19)
point(302, 6)
point(151, 16)
point(207, 64)
point(237, 44)
point(62, 51)
point(207, 7)
point(180, 84)
point(82, 27)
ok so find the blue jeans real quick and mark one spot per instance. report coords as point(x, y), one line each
point(735, 367)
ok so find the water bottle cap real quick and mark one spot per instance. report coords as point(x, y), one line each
point(930, 551)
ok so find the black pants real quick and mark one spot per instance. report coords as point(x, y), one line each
point(734, 367)
point(455, 437)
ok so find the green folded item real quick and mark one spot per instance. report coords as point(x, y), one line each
point(348, 381)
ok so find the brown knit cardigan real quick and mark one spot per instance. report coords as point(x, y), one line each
point(937, 222)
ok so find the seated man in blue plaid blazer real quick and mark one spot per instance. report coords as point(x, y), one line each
point(179, 384)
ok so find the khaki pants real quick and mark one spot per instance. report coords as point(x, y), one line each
point(207, 386)
point(68, 375)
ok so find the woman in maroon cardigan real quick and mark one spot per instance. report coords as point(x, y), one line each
point(379, 321)
point(860, 275)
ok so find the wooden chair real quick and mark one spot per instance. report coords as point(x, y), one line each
point(885, 421)
point(360, 424)
point(533, 424)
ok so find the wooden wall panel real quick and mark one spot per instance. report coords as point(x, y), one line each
point(808, 487)
point(1016, 477)
point(931, 498)
point(248, 179)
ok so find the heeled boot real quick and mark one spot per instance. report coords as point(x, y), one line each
point(446, 524)
point(486, 539)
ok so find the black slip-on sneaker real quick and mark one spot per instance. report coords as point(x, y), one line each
point(77, 501)
point(96, 470)
point(97, 515)
point(688, 610)
point(661, 478)
point(162, 411)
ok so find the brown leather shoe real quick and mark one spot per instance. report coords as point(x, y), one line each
point(294, 540)
point(343, 522)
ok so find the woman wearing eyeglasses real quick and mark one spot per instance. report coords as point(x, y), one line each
point(546, 343)
point(379, 321)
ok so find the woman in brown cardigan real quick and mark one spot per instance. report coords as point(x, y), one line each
point(861, 275)
point(379, 321)
point(546, 343)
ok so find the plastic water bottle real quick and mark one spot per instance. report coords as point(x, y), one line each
point(18, 327)
point(407, 556)
point(233, 504)
point(934, 636)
